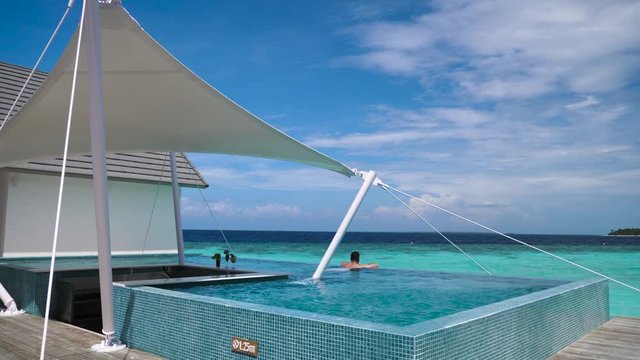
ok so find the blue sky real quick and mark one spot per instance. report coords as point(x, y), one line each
point(521, 115)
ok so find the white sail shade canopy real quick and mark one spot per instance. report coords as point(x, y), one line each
point(152, 102)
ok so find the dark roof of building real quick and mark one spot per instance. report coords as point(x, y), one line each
point(144, 166)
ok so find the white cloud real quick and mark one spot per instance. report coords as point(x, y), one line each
point(405, 128)
point(396, 36)
point(460, 116)
point(511, 87)
point(197, 208)
point(273, 210)
point(588, 101)
point(395, 62)
point(361, 141)
point(510, 138)
point(498, 49)
point(502, 200)
point(525, 116)
point(512, 162)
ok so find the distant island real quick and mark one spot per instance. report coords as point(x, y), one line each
point(627, 231)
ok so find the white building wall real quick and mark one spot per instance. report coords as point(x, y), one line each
point(31, 208)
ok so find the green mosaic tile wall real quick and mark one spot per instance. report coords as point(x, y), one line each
point(184, 326)
point(535, 330)
point(29, 288)
point(187, 327)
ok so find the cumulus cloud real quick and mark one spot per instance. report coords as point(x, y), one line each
point(505, 202)
point(499, 49)
point(512, 162)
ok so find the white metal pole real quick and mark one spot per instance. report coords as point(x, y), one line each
point(176, 208)
point(98, 153)
point(368, 181)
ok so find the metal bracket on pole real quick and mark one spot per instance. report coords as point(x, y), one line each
point(9, 303)
point(176, 208)
point(99, 158)
point(369, 179)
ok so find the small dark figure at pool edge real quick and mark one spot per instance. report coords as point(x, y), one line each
point(354, 264)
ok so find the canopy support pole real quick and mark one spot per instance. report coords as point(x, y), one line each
point(176, 208)
point(98, 153)
point(337, 238)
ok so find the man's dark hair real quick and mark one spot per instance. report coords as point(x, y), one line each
point(355, 256)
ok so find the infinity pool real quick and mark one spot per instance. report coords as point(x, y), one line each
point(368, 314)
point(390, 297)
point(371, 314)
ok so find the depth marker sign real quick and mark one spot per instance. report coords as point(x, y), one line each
point(244, 346)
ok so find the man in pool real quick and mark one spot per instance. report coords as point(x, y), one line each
point(355, 263)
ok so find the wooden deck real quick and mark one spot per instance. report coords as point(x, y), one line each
point(619, 338)
point(20, 338)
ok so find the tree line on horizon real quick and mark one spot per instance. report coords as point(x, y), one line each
point(626, 231)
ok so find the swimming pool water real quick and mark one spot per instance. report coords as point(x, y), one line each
point(613, 256)
point(391, 297)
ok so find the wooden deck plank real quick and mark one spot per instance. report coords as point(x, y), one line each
point(603, 352)
point(29, 338)
point(21, 336)
point(619, 338)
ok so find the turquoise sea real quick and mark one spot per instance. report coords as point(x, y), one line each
point(617, 257)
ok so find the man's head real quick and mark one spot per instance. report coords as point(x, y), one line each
point(355, 257)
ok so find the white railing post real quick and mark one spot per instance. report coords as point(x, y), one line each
point(176, 208)
point(368, 178)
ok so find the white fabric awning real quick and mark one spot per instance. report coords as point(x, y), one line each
point(152, 103)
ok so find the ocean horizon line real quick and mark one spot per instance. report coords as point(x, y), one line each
point(403, 232)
